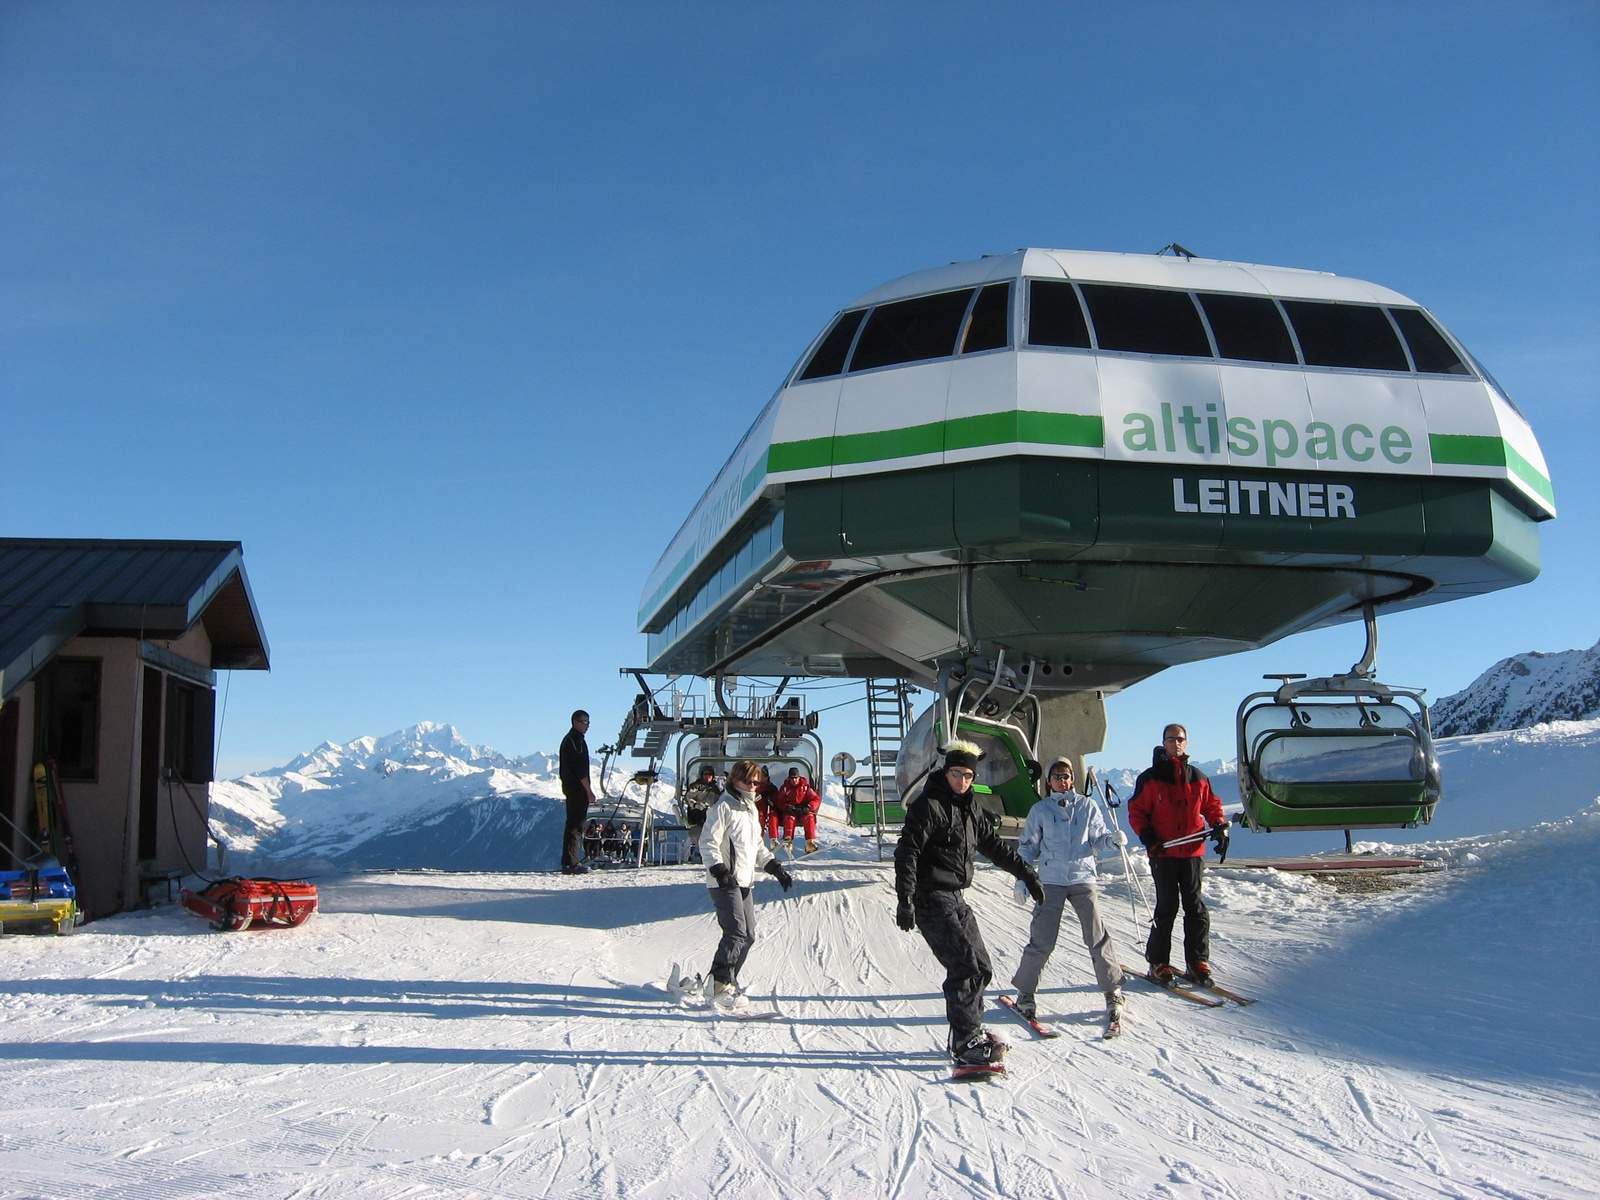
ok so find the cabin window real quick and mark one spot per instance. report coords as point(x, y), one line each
point(1346, 335)
point(1055, 318)
point(990, 325)
point(1429, 349)
point(69, 716)
point(829, 357)
point(911, 330)
point(190, 721)
point(1249, 328)
point(1146, 320)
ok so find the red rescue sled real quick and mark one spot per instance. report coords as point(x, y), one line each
point(236, 903)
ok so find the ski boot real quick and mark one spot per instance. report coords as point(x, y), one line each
point(1027, 1005)
point(982, 1049)
point(1199, 973)
point(811, 845)
point(1163, 974)
point(1114, 1005)
point(729, 997)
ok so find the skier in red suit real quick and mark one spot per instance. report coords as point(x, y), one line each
point(1171, 800)
point(798, 801)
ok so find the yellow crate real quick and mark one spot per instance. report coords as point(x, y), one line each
point(38, 916)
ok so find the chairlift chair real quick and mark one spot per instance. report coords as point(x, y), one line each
point(1339, 752)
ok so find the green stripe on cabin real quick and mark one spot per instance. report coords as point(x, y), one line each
point(961, 433)
point(1477, 450)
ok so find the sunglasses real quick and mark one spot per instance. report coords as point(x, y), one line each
point(962, 773)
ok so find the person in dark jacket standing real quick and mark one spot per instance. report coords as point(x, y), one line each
point(575, 786)
point(932, 867)
point(1173, 800)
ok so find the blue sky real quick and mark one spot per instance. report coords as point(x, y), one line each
point(449, 312)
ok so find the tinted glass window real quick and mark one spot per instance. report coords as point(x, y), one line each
point(908, 330)
point(1346, 335)
point(829, 357)
point(990, 326)
point(1429, 350)
point(1145, 320)
point(1248, 327)
point(68, 727)
point(1055, 318)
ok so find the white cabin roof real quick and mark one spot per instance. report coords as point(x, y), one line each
point(1150, 270)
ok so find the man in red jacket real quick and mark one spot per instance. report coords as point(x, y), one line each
point(796, 800)
point(1171, 801)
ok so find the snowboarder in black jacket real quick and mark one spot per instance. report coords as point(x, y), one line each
point(932, 866)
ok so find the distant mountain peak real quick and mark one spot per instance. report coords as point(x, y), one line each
point(1524, 690)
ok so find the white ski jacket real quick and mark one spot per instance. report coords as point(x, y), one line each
point(732, 835)
point(1060, 840)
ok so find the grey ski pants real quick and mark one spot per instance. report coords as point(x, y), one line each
point(951, 931)
point(1084, 898)
point(736, 913)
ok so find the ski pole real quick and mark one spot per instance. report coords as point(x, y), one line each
point(1215, 831)
point(1127, 866)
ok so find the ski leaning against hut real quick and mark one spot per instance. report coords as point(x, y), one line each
point(732, 848)
point(1173, 811)
point(1059, 840)
point(932, 867)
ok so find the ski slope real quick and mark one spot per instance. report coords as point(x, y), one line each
point(433, 1035)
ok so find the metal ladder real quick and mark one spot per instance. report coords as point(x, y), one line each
point(888, 721)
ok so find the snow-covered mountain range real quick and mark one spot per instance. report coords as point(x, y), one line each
point(1524, 690)
point(420, 797)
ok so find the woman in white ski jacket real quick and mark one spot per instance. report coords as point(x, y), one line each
point(1059, 839)
point(732, 849)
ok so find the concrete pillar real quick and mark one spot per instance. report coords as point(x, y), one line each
point(1071, 724)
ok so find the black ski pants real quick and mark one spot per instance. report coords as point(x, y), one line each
point(951, 931)
point(572, 840)
point(736, 914)
point(1178, 882)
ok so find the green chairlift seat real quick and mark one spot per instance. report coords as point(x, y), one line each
point(1007, 774)
point(1342, 752)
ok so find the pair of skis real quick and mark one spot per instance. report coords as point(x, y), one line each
point(1191, 993)
point(1113, 1026)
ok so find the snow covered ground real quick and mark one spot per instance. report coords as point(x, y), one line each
point(466, 1035)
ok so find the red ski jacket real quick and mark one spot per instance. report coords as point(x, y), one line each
point(1174, 799)
point(766, 794)
point(797, 796)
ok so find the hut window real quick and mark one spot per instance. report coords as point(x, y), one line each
point(69, 716)
point(1429, 350)
point(1249, 328)
point(829, 357)
point(190, 716)
point(911, 330)
point(1146, 320)
point(1055, 318)
point(1346, 335)
point(990, 325)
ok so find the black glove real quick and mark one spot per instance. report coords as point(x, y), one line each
point(1219, 834)
point(785, 880)
point(1152, 841)
point(723, 874)
point(1030, 880)
point(904, 917)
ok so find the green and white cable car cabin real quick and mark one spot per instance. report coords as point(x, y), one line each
point(1032, 479)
